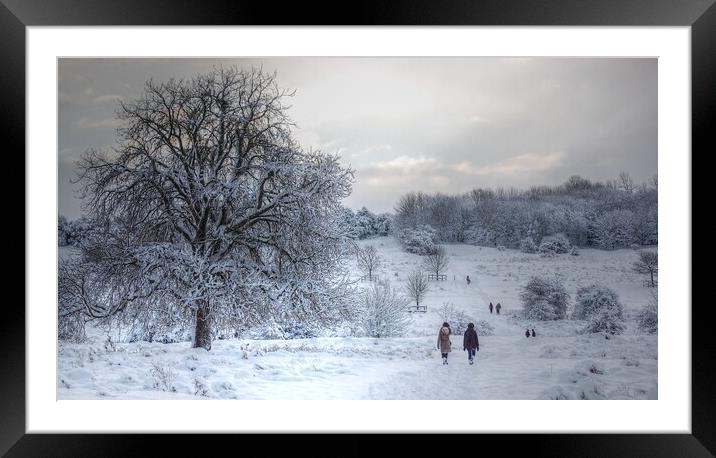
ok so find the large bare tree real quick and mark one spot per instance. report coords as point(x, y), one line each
point(207, 201)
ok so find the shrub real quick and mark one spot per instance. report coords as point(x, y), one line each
point(574, 251)
point(609, 320)
point(383, 311)
point(648, 318)
point(544, 299)
point(527, 245)
point(557, 244)
point(457, 319)
point(592, 299)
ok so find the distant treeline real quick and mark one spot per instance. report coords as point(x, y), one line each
point(610, 215)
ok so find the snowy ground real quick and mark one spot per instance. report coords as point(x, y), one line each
point(558, 363)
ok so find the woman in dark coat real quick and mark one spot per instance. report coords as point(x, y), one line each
point(444, 341)
point(498, 307)
point(470, 342)
point(527, 332)
point(490, 306)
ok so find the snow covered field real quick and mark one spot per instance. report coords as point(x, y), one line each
point(558, 364)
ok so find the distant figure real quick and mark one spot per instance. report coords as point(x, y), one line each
point(533, 333)
point(470, 342)
point(468, 280)
point(444, 341)
point(498, 307)
point(490, 307)
point(527, 332)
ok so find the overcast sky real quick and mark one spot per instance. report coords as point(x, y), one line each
point(409, 124)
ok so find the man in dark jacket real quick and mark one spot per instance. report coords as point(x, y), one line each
point(470, 342)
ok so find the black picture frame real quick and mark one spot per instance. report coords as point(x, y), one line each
point(16, 15)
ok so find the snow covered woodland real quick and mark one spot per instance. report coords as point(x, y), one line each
point(207, 209)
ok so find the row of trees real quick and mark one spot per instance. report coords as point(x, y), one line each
point(610, 215)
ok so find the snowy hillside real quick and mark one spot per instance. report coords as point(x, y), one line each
point(558, 363)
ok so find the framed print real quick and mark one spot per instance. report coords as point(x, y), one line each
point(262, 224)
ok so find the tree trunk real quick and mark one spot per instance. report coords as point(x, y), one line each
point(202, 331)
point(652, 279)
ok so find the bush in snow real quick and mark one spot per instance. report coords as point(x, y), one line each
point(457, 319)
point(592, 299)
point(608, 320)
point(648, 318)
point(574, 251)
point(484, 328)
point(544, 299)
point(421, 240)
point(557, 244)
point(163, 377)
point(501, 248)
point(383, 311)
point(527, 245)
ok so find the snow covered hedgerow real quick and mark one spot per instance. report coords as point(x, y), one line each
point(556, 244)
point(421, 240)
point(527, 245)
point(544, 299)
point(648, 318)
point(383, 311)
point(591, 299)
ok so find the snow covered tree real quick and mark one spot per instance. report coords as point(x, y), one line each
point(544, 299)
point(591, 299)
point(648, 318)
point(417, 286)
point(648, 263)
point(607, 320)
point(437, 262)
point(421, 240)
point(383, 311)
point(368, 260)
point(207, 201)
point(557, 244)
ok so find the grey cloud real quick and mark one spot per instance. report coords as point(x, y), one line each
point(431, 124)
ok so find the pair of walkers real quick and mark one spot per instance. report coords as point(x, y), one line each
point(470, 342)
point(497, 307)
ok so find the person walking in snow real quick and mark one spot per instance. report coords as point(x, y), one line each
point(468, 280)
point(498, 307)
point(470, 342)
point(490, 308)
point(533, 333)
point(444, 341)
point(527, 332)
